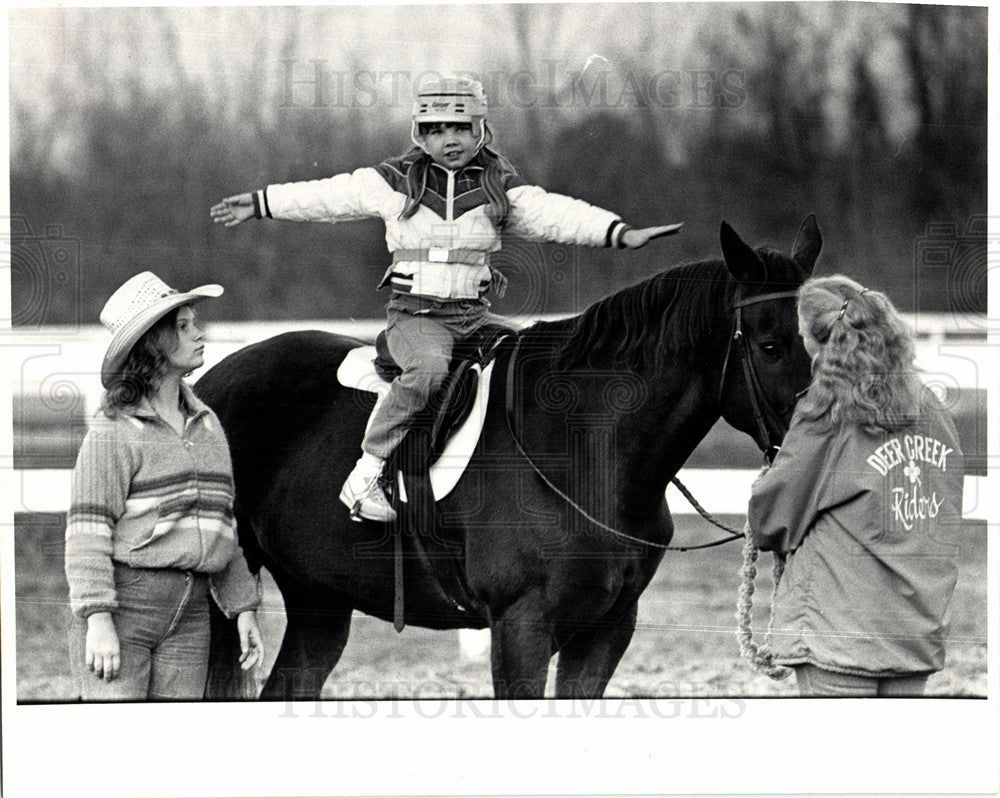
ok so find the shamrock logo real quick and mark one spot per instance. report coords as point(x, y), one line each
point(913, 472)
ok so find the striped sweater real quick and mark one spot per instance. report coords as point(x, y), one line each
point(146, 497)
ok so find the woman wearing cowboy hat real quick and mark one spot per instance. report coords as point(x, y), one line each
point(150, 531)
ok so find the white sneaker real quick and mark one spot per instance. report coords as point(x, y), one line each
point(362, 493)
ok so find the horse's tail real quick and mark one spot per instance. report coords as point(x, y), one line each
point(226, 680)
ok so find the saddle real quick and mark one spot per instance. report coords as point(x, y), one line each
point(432, 455)
point(451, 405)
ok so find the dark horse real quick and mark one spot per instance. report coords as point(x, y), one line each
point(554, 549)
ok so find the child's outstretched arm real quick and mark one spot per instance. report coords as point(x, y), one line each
point(233, 210)
point(542, 215)
point(633, 239)
point(361, 194)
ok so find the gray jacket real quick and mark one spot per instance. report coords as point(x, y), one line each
point(871, 524)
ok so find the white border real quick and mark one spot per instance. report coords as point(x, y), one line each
point(773, 746)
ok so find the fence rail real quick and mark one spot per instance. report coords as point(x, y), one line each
point(62, 363)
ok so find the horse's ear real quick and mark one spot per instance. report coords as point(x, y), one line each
point(743, 263)
point(808, 243)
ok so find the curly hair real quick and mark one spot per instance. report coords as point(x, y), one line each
point(143, 366)
point(864, 373)
point(496, 170)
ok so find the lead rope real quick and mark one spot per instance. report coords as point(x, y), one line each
point(760, 657)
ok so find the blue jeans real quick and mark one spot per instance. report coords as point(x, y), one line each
point(162, 623)
point(420, 333)
point(816, 682)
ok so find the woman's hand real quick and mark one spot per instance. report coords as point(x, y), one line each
point(633, 239)
point(102, 653)
point(233, 210)
point(251, 642)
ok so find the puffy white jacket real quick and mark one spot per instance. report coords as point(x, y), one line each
point(437, 249)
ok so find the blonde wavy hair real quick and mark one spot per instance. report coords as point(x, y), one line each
point(864, 373)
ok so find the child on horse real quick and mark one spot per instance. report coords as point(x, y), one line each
point(445, 204)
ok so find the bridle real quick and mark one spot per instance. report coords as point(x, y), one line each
point(763, 411)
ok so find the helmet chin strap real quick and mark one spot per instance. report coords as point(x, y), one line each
point(414, 136)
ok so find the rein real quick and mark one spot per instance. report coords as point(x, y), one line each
point(759, 402)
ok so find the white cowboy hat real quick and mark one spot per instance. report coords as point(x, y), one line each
point(135, 307)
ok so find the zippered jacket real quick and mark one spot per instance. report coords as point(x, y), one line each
point(144, 496)
point(451, 219)
point(872, 527)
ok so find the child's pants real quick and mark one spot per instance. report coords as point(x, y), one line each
point(816, 682)
point(420, 333)
point(163, 630)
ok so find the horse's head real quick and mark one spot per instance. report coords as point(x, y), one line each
point(766, 365)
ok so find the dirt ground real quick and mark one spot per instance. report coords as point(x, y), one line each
point(684, 645)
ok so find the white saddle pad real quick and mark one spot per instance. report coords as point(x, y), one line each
point(358, 372)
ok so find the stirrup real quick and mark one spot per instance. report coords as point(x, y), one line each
point(381, 510)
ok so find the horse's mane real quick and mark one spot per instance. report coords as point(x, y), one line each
point(663, 317)
point(667, 317)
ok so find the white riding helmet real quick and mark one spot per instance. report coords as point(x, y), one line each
point(450, 100)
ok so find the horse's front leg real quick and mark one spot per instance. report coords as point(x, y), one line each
point(521, 647)
point(588, 660)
